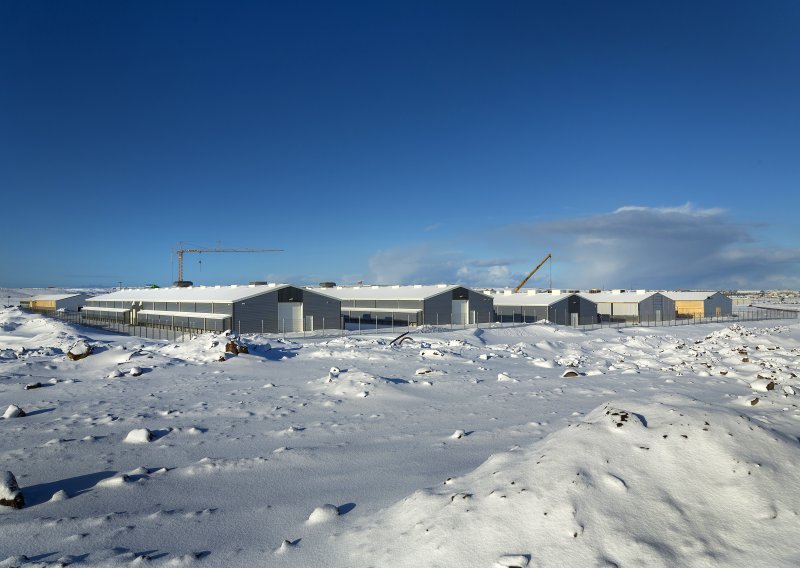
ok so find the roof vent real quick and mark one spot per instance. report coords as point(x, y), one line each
point(441, 285)
point(327, 284)
point(417, 285)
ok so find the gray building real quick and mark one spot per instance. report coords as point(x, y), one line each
point(269, 308)
point(56, 302)
point(701, 304)
point(440, 304)
point(556, 307)
point(630, 306)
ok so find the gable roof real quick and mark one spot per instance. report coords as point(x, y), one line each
point(527, 299)
point(222, 294)
point(414, 292)
point(617, 297)
point(54, 297)
point(689, 296)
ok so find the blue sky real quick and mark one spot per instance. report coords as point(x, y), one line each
point(644, 144)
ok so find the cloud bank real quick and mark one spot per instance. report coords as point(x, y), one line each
point(630, 247)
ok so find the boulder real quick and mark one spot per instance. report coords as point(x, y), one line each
point(78, 351)
point(231, 347)
point(569, 373)
point(13, 411)
point(10, 494)
point(31, 386)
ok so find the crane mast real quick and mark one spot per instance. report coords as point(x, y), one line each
point(181, 283)
point(532, 272)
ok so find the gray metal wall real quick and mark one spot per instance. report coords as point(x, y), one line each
point(482, 305)
point(519, 314)
point(250, 313)
point(718, 300)
point(325, 310)
point(649, 306)
point(441, 305)
point(257, 313)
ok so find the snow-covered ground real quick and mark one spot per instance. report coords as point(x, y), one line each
point(462, 448)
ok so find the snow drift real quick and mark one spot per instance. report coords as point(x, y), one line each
point(670, 483)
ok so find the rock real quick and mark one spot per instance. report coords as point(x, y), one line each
point(10, 494)
point(13, 411)
point(753, 401)
point(788, 390)
point(512, 561)
point(423, 371)
point(244, 349)
point(745, 359)
point(323, 514)
point(231, 347)
point(139, 436)
point(135, 372)
point(569, 373)
point(31, 386)
point(333, 373)
point(78, 351)
point(762, 385)
point(458, 434)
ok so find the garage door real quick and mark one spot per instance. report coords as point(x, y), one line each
point(460, 312)
point(290, 316)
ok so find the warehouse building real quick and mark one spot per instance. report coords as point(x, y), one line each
point(269, 308)
point(57, 302)
point(440, 304)
point(701, 304)
point(632, 306)
point(555, 306)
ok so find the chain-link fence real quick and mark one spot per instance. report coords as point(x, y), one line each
point(365, 326)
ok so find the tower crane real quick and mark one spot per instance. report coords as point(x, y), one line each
point(181, 283)
point(532, 272)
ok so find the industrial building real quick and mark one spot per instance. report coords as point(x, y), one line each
point(56, 302)
point(555, 306)
point(632, 306)
point(254, 308)
point(701, 304)
point(440, 304)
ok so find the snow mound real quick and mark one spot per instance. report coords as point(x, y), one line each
point(673, 481)
point(139, 436)
point(323, 514)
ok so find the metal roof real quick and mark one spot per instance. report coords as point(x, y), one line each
point(526, 299)
point(222, 294)
point(690, 296)
point(52, 297)
point(617, 297)
point(414, 292)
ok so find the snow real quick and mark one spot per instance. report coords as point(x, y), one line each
point(652, 455)
point(8, 486)
point(415, 292)
point(224, 294)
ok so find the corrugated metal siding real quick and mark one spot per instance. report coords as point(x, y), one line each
point(587, 311)
point(481, 307)
point(690, 308)
point(326, 310)
point(256, 313)
point(721, 301)
point(438, 309)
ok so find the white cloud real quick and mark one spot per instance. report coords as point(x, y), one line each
point(665, 247)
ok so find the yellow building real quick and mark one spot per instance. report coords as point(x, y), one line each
point(53, 302)
point(700, 304)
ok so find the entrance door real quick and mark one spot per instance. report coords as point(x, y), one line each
point(574, 319)
point(460, 315)
point(290, 316)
